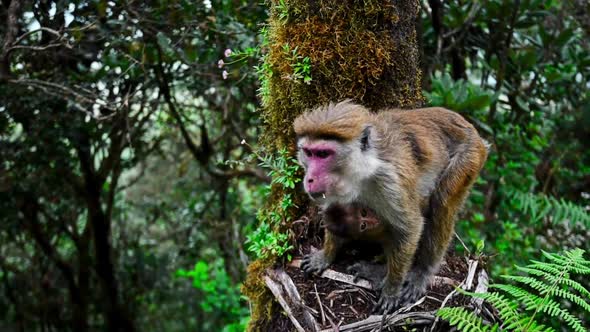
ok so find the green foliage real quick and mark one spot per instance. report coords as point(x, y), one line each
point(539, 207)
point(459, 95)
point(267, 240)
point(301, 66)
point(282, 168)
point(534, 297)
point(264, 70)
point(218, 294)
point(520, 73)
point(465, 320)
point(283, 11)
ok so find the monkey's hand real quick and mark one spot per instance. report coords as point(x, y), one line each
point(315, 262)
point(375, 273)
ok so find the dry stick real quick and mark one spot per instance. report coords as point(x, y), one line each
point(373, 322)
point(387, 317)
point(320, 303)
point(277, 291)
point(330, 311)
point(334, 327)
point(482, 287)
point(349, 279)
point(313, 311)
point(470, 274)
point(462, 243)
point(338, 276)
point(284, 290)
point(467, 282)
point(403, 310)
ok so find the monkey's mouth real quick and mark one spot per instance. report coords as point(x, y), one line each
point(318, 195)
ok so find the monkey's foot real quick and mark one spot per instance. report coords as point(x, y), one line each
point(409, 293)
point(388, 302)
point(315, 262)
point(375, 273)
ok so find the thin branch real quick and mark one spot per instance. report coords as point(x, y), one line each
point(64, 91)
point(35, 48)
point(250, 172)
point(25, 35)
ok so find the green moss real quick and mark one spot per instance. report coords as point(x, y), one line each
point(260, 297)
point(363, 50)
point(360, 50)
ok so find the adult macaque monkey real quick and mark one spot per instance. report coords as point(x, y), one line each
point(413, 168)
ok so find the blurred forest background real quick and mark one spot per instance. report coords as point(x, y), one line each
point(129, 199)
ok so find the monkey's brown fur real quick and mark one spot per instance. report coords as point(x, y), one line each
point(345, 124)
point(428, 160)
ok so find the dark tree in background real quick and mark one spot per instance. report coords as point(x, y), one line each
point(94, 96)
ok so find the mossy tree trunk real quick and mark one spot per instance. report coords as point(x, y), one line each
point(362, 50)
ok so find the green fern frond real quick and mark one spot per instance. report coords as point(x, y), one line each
point(541, 206)
point(565, 294)
point(532, 326)
point(580, 265)
point(540, 286)
point(547, 290)
point(554, 310)
point(544, 304)
point(507, 309)
point(557, 280)
point(519, 308)
point(549, 268)
point(464, 320)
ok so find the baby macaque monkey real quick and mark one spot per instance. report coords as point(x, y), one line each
point(411, 169)
point(352, 221)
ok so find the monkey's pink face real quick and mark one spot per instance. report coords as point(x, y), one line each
point(318, 159)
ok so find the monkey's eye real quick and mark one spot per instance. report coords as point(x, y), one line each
point(363, 226)
point(322, 154)
point(307, 152)
point(363, 213)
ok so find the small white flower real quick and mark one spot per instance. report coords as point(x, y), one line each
point(227, 53)
point(220, 63)
point(224, 74)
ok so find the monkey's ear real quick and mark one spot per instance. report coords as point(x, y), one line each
point(365, 138)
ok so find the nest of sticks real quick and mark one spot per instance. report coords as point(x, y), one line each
point(334, 301)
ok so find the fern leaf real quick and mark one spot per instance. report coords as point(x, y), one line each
point(542, 206)
point(553, 309)
point(531, 282)
point(464, 320)
point(546, 267)
point(554, 279)
point(541, 304)
point(507, 309)
point(565, 294)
